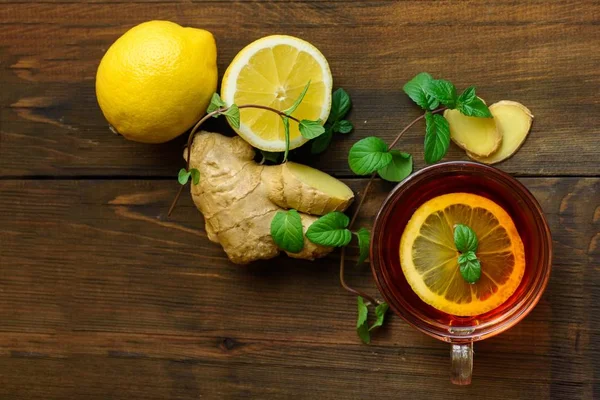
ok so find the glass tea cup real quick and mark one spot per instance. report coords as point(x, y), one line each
point(460, 332)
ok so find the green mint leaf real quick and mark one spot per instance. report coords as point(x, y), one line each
point(321, 143)
point(465, 238)
point(233, 116)
point(468, 256)
point(195, 176)
point(215, 104)
point(311, 129)
point(380, 311)
point(290, 110)
point(400, 167)
point(183, 176)
point(286, 231)
point(340, 105)
point(286, 129)
point(443, 91)
point(271, 156)
point(472, 106)
point(368, 155)
point(437, 137)
point(416, 90)
point(330, 230)
point(362, 326)
point(470, 267)
point(476, 108)
point(364, 240)
point(343, 126)
point(467, 96)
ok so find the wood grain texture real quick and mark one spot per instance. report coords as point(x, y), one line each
point(103, 297)
point(543, 54)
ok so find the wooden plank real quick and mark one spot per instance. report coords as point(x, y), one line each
point(539, 53)
point(103, 296)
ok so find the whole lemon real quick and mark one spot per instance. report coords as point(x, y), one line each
point(156, 80)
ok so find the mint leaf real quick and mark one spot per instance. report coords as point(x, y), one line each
point(468, 256)
point(343, 126)
point(443, 91)
point(400, 167)
point(416, 90)
point(470, 267)
point(290, 110)
point(368, 155)
point(380, 311)
point(465, 238)
point(286, 129)
point(362, 327)
point(233, 116)
point(183, 176)
point(286, 231)
point(437, 137)
point(340, 105)
point(467, 96)
point(330, 230)
point(311, 129)
point(215, 104)
point(195, 176)
point(472, 106)
point(364, 240)
point(272, 156)
point(321, 143)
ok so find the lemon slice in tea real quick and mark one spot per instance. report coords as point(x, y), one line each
point(429, 257)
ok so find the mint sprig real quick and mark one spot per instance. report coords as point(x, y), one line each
point(362, 325)
point(466, 243)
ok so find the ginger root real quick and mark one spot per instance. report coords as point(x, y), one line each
point(513, 121)
point(238, 197)
point(479, 136)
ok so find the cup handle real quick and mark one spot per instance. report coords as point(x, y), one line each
point(461, 369)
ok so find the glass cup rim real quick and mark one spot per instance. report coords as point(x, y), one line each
point(487, 329)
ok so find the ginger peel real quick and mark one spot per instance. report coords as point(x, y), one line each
point(238, 197)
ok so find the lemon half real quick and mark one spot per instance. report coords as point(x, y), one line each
point(273, 72)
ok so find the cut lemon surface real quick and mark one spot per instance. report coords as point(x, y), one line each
point(429, 257)
point(273, 72)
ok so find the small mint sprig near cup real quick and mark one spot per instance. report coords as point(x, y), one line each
point(330, 230)
point(466, 243)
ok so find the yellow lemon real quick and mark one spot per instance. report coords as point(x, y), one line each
point(429, 257)
point(273, 72)
point(156, 80)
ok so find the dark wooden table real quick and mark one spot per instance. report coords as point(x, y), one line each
point(103, 297)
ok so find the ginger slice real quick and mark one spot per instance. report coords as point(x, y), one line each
point(308, 190)
point(479, 136)
point(513, 120)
